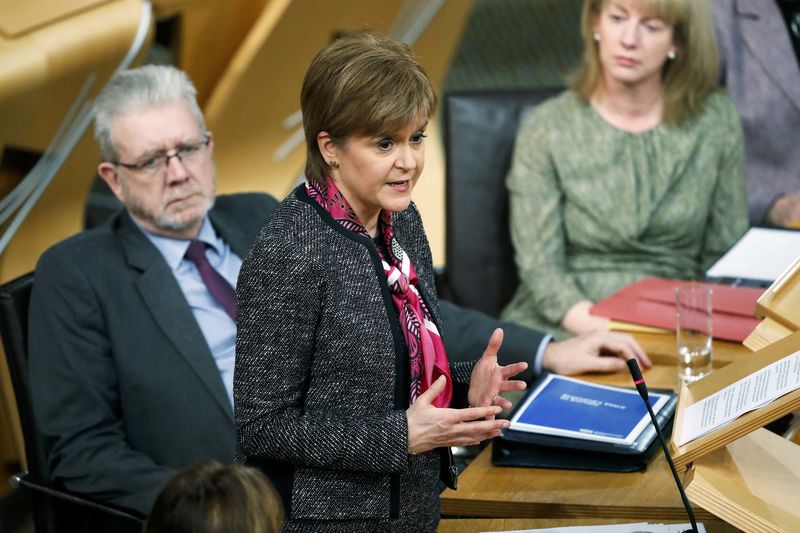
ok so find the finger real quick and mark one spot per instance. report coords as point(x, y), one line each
point(513, 369)
point(477, 430)
point(473, 435)
point(495, 341)
point(476, 413)
point(624, 347)
point(512, 385)
point(635, 349)
point(503, 403)
point(433, 391)
point(607, 364)
point(463, 442)
point(641, 355)
point(467, 441)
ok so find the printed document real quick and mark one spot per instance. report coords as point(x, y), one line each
point(747, 394)
point(762, 254)
point(641, 527)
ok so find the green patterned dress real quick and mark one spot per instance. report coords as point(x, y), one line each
point(594, 207)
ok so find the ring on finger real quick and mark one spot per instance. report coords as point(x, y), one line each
point(493, 399)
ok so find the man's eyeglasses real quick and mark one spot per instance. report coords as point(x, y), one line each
point(187, 154)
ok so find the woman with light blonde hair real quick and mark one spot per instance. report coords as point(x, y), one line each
point(637, 170)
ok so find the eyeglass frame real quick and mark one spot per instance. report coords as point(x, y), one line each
point(166, 156)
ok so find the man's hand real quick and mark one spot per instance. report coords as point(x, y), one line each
point(785, 211)
point(599, 351)
point(432, 427)
point(489, 380)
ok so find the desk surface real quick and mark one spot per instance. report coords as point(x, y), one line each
point(489, 491)
point(662, 350)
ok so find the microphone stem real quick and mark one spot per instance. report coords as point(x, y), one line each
point(686, 503)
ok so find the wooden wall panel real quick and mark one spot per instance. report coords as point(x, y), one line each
point(42, 70)
point(254, 110)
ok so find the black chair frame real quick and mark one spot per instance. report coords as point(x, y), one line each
point(55, 510)
point(480, 128)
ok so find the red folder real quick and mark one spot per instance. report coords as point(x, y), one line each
point(651, 302)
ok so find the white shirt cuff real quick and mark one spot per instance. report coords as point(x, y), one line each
point(537, 361)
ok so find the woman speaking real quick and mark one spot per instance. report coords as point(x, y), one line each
point(342, 386)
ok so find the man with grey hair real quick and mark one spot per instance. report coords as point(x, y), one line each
point(132, 329)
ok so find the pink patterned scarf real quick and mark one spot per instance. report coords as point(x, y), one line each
point(426, 354)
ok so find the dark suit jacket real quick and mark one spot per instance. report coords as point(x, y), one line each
point(465, 333)
point(125, 389)
point(761, 73)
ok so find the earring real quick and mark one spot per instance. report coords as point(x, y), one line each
point(671, 55)
point(333, 163)
point(596, 37)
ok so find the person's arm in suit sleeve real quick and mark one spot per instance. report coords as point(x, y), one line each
point(466, 332)
point(727, 217)
point(75, 392)
point(766, 205)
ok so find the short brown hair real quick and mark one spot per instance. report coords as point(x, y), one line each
point(361, 84)
point(209, 497)
point(688, 79)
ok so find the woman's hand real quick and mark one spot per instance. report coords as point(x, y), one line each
point(785, 212)
point(578, 320)
point(431, 427)
point(489, 379)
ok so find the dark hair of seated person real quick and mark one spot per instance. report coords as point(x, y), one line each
point(209, 497)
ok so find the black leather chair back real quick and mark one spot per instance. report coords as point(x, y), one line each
point(15, 296)
point(480, 128)
point(54, 509)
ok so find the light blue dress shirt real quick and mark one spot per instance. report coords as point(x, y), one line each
point(218, 328)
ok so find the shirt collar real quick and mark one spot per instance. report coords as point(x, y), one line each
point(173, 250)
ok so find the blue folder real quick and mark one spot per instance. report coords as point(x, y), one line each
point(523, 448)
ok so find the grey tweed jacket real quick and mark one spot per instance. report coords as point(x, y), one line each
point(320, 385)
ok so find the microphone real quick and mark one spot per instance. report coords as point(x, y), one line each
point(641, 386)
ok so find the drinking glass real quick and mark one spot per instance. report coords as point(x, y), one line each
point(693, 331)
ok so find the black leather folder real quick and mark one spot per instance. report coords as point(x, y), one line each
point(522, 448)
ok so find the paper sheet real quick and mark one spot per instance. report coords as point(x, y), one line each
point(762, 254)
point(747, 394)
point(640, 527)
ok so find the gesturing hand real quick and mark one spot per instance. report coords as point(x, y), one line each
point(431, 427)
point(489, 379)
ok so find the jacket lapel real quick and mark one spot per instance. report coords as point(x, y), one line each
point(165, 300)
point(773, 58)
